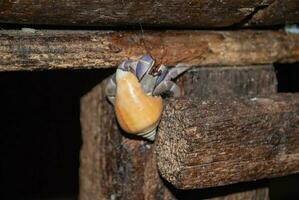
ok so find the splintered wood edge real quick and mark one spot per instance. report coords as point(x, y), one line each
point(46, 50)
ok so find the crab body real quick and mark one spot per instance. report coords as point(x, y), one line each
point(135, 91)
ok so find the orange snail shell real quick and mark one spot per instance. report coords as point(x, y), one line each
point(136, 112)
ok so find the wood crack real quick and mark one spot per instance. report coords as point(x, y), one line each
point(248, 18)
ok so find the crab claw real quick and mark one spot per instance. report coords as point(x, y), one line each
point(143, 69)
point(128, 65)
point(143, 65)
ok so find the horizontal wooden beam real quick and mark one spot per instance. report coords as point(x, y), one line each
point(179, 13)
point(217, 142)
point(30, 50)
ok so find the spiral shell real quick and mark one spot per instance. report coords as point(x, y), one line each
point(137, 112)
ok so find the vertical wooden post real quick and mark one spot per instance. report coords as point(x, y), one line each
point(113, 166)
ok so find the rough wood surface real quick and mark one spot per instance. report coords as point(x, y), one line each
point(178, 13)
point(217, 142)
point(20, 50)
point(227, 82)
point(116, 167)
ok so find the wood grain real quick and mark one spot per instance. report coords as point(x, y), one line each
point(163, 13)
point(226, 82)
point(42, 50)
point(218, 142)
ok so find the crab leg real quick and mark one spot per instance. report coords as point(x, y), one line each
point(167, 87)
point(164, 83)
point(110, 89)
point(162, 74)
point(176, 71)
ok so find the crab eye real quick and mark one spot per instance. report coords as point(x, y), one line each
point(144, 64)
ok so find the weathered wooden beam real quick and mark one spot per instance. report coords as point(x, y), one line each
point(21, 50)
point(179, 13)
point(114, 166)
point(217, 142)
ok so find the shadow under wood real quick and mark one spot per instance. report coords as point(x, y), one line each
point(215, 192)
point(284, 187)
point(288, 77)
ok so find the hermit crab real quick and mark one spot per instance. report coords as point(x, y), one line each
point(135, 91)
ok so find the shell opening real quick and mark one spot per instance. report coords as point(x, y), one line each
point(150, 135)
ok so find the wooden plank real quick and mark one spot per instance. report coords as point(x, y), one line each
point(217, 142)
point(22, 50)
point(164, 13)
point(226, 82)
point(278, 12)
point(114, 166)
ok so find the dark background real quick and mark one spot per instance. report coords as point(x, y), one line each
point(41, 138)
